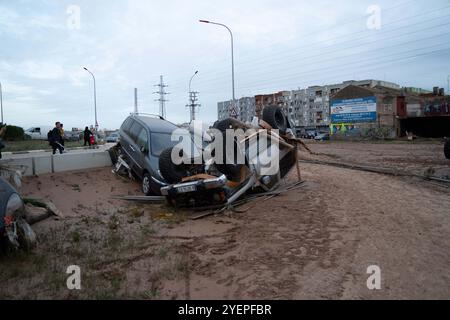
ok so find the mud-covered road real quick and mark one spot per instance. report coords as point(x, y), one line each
point(312, 243)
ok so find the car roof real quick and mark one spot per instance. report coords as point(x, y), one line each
point(156, 124)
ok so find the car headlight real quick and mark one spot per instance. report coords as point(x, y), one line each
point(14, 205)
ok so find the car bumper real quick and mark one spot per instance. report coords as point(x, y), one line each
point(194, 186)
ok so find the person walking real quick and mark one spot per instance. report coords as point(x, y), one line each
point(61, 132)
point(55, 138)
point(87, 136)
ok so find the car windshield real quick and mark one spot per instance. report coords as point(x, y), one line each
point(161, 141)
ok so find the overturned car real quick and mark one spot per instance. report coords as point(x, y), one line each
point(216, 167)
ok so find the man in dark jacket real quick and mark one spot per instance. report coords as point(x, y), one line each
point(87, 136)
point(55, 138)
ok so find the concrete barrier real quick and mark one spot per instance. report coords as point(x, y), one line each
point(42, 164)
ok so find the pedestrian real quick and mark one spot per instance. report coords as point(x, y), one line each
point(87, 136)
point(55, 138)
point(61, 131)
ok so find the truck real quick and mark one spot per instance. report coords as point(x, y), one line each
point(38, 132)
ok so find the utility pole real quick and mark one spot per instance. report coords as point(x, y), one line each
point(448, 86)
point(1, 100)
point(95, 98)
point(162, 94)
point(193, 105)
point(135, 101)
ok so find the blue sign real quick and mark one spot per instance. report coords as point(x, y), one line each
point(354, 110)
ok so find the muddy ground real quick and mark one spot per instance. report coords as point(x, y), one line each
point(312, 243)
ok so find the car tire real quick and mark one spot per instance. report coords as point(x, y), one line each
point(27, 237)
point(447, 149)
point(232, 170)
point(274, 116)
point(171, 172)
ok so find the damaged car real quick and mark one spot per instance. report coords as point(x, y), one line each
point(143, 137)
point(15, 232)
point(231, 159)
point(242, 158)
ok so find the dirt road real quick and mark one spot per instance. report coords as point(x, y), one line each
point(312, 243)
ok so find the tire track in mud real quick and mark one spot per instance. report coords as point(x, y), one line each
point(265, 255)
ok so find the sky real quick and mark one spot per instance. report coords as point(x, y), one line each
point(278, 45)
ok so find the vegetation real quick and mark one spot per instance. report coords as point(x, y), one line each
point(13, 133)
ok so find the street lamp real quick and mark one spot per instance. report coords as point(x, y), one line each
point(448, 85)
point(232, 55)
point(191, 104)
point(1, 100)
point(95, 99)
point(191, 80)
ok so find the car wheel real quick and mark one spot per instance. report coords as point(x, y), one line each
point(171, 172)
point(27, 237)
point(146, 184)
point(274, 116)
point(447, 149)
point(231, 170)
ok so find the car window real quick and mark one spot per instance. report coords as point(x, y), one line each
point(135, 130)
point(160, 141)
point(126, 125)
point(142, 139)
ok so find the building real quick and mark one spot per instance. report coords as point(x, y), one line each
point(264, 100)
point(310, 108)
point(245, 109)
point(426, 114)
point(357, 111)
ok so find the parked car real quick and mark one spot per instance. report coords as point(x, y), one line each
point(322, 137)
point(142, 139)
point(38, 133)
point(113, 137)
point(15, 232)
point(71, 136)
point(310, 134)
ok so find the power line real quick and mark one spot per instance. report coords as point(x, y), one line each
point(308, 45)
point(255, 66)
point(264, 72)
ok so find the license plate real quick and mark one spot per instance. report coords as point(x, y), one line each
point(185, 189)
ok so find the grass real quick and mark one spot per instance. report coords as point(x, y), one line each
point(105, 249)
point(27, 145)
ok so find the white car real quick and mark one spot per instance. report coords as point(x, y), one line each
point(38, 133)
point(113, 137)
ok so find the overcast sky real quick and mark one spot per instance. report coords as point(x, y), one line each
point(279, 45)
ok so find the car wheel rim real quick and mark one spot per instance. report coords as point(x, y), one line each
point(145, 184)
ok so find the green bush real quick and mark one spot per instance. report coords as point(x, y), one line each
point(14, 133)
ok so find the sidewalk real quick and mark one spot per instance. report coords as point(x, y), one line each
point(43, 161)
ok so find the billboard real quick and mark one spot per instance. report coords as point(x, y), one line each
point(354, 110)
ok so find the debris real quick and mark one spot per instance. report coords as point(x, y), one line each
point(48, 205)
point(141, 198)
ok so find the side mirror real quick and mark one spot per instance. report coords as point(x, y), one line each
point(143, 149)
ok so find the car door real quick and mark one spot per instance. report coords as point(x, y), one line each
point(142, 152)
point(134, 149)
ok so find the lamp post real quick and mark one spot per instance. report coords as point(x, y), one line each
point(232, 56)
point(448, 85)
point(192, 98)
point(191, 80)
point(1, 100)
point(95, 99)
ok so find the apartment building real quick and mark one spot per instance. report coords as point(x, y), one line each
point(306, 108)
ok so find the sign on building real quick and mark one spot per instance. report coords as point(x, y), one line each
point(354, 110)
